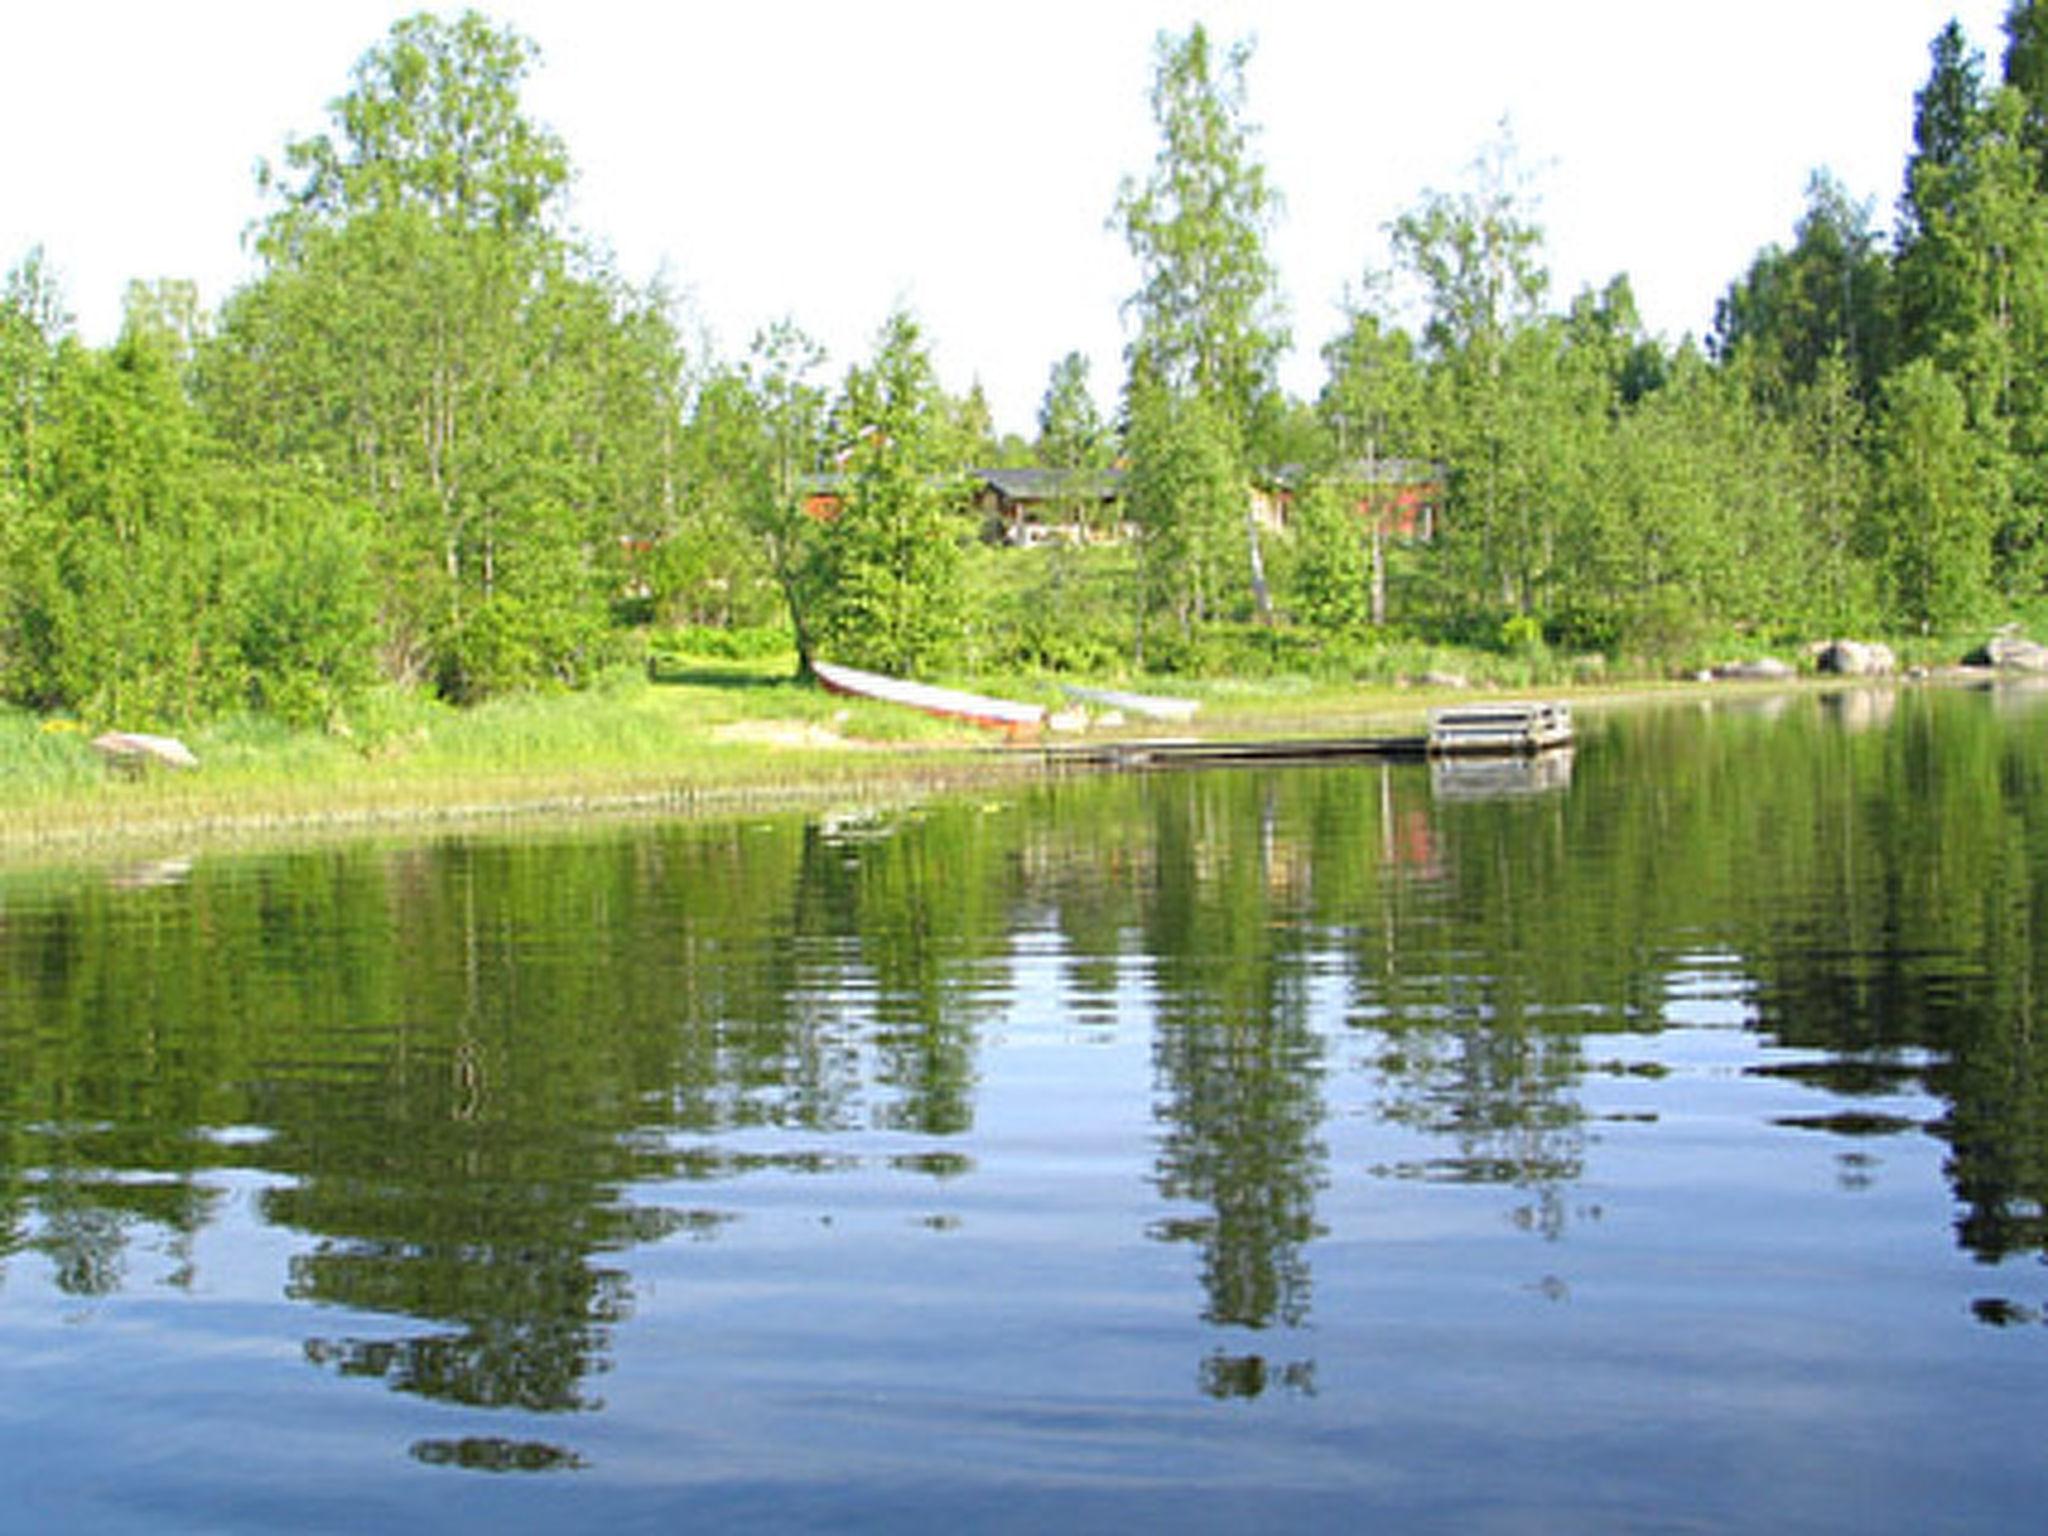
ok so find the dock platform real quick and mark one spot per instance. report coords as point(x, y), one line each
point(1499, 730)
point(1480, 731)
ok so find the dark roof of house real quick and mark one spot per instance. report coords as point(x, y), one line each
point(1033, 483)
point(1024, 483)
point(1371, 472)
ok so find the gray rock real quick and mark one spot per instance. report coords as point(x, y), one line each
point(1856, 658)
point(2015, 653)
point(1767, 669)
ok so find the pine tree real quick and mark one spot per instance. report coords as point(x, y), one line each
point(886, 575)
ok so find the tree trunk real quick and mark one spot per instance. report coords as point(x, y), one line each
point(1374, 518)
point(1262, 598)
point(1379, 573)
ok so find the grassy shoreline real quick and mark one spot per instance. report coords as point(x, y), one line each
point(720, 738)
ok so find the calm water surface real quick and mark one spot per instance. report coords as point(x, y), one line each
point(1660, 1142)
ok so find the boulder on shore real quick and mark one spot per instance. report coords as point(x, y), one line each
point(1856, 658)
point(2011, 653)
point(1767, 669)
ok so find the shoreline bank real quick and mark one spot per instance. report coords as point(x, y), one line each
point(120, 822)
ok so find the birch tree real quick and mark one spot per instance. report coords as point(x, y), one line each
point(428, 337)
point(1208, 315)
point(1477, 256)
point(1372, 405)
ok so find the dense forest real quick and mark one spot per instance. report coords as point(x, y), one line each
point(440, 442)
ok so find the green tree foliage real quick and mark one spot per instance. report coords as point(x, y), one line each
point(1209, 327)
point(1932, 532)
point(1072, 435)
point(425, 340)
point(1947, 124)
point(1074, 441)
point(2020, 553)
point(1477, 257)
point(1186, 494)
point(1208, 320)
point(1690, 520)
point(115, 608)
point(1372, 401)
point(441, 440)
point(1372, 409)
point(757, 439)
point(2025, 66)
point(1545, 427)
point(304, 593)
point(972, 426)
point(1336, 581)
point(152, 580)
point(32, 322)
point(1828, 296)
point(1973, 280)
point(1831, 459)
point(431, 122)
point(1606, 329)
point(885, 574)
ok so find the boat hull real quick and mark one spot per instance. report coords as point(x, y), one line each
point(1150, 706)
point(946, 703)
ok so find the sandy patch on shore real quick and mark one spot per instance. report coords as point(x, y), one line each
point(781, 733)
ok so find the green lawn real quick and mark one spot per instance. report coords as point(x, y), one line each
point(708, 733)
point(720, 731)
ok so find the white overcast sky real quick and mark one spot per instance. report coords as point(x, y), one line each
point(828, 159)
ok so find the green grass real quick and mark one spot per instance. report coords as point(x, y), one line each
point(712, 731)
point(727, 732)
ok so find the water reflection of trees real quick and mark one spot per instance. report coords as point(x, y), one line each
point(1502, 1097)
point(469, 1063)
point(465, 1059)
point(1914, 958)
point(1237, 1058)
point(1478, 1002)
point(931, 916)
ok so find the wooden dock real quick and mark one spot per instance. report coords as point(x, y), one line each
point(1499, 730)
point(1138, 754)
point(1479, 731)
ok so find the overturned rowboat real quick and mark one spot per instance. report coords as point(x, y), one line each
point(1150, 706)
point(133, 751)
point(946, 703)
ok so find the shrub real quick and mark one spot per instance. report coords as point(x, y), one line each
point(748, 643)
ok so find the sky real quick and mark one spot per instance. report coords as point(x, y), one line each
point(830, 160)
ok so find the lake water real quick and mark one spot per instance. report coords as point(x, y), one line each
point(1658, 1141)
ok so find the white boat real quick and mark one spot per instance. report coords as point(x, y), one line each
point(134, 750)
point(1151, 705)
point(948, 703)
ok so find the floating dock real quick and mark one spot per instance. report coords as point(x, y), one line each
point(1499, 730)
point(1475, 731)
